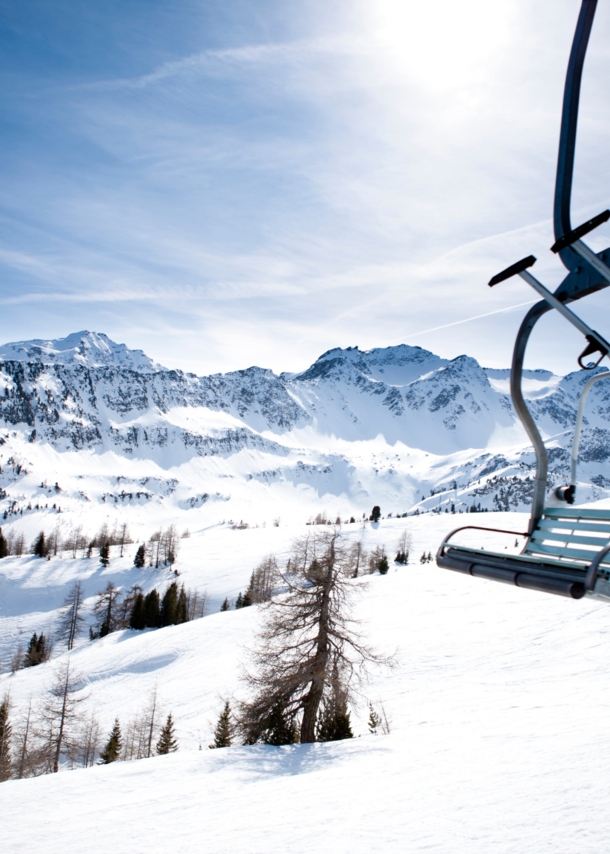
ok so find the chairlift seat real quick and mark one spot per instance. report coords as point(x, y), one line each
point(568, 554)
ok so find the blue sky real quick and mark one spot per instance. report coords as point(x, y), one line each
point(225, 183)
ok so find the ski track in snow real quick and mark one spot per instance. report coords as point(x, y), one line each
point(495, 704)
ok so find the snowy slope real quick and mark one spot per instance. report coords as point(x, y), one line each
point(495, 704)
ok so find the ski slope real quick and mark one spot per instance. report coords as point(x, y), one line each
point(495, 704)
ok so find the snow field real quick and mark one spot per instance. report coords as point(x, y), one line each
point(495, 703)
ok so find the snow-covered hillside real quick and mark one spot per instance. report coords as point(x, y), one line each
point(90, 431)
point(494, 706)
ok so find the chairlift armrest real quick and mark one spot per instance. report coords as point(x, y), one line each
point(580, 231)
point(513, 270)
point(592, 571)
point(477, 528)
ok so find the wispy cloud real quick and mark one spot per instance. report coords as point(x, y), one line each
point(354, 181)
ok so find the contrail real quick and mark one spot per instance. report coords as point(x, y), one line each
point(468, 319)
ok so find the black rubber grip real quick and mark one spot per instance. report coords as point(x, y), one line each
point(519, 267)
point(577, 233)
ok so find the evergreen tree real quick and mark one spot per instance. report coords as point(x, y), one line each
point(383, 565)
point(225, 730)
point(137, 618)
point(169, 606)
point(105, 554)
point(40, 548)
point(182, 615)
point(5, 742)
point(37, 651)
point(225, 605)
point(112, 751)
point(374, 720)
point(151, 610)
point(247, 600)
point(3, 545)
point(334, 723)
point(167, 740)
point(376, 513)
point(281, 729)
point(140, 559)
point(239, 602)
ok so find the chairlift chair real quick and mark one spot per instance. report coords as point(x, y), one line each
point(567, 548)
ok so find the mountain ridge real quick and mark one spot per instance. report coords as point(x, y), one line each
point(399, 425)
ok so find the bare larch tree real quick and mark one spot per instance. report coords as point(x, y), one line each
point(71, 619)
point(308, 641)
point(60, 714)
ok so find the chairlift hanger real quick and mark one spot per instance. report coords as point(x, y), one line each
point(567, 549)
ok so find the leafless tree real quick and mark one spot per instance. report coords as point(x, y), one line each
point(61, 714)
point(106, 609)
point(195, 604)
point(308, 638)
point(31, 754)
point(71, 619)
point(123, 537)
point(359, 558)
point(17, 657)
point(403, 547)
point(375, 557)
point(124, 606)
point(264, 580)
point(85, 745)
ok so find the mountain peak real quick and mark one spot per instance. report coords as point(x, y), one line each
point(91, 349)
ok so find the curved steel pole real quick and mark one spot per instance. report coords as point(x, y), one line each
point(604, 375)
point(567, 137)
point(516, 393)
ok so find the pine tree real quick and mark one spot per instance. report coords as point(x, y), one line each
point(137, 617)
point(169, 606)
point(376, 513)
point(225, 605)
point(374, 720)
point(167, 740)
point(105, 554)
point(225, 729)
point(36, 652)
point(334, 723)
point(112, 751)
point(247, 600)
point(151, 610)
point(40, 548)
point(5, 742)
point(3, 545)
point(239, 602)
point(281, 729)
point(383, 565)
point(182, 611)
point(140, 559)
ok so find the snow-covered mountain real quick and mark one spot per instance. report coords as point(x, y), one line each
point(91, 428)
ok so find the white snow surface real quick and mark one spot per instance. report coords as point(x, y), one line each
point(495, 703)
point(93, 349)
